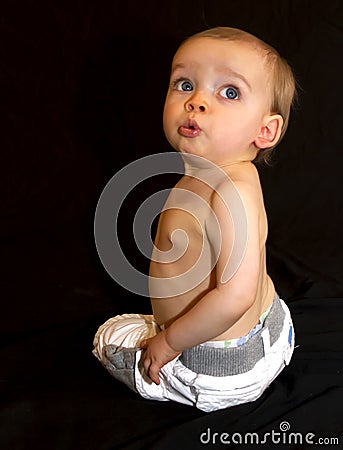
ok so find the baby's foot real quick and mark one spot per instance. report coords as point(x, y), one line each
point(120, 362)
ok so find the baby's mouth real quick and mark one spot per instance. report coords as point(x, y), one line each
point(190, 129)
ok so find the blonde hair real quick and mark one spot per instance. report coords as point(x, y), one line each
point(283, 81)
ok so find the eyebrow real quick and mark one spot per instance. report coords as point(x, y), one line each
point(223, 69)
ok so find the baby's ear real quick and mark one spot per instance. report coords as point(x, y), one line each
point(270, 132)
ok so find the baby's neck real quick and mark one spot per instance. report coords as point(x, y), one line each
point(233, 163)
point(197, 165)
point(209, 173)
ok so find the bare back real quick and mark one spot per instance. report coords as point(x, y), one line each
point(183, 288)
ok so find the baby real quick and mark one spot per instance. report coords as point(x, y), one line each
point(219, 333)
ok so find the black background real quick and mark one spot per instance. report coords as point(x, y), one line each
point(82, 92)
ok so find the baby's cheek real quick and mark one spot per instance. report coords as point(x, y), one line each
point(169, 127)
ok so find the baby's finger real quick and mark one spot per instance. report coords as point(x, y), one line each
point(143, 343)
point(146, 364)
point(154, 372)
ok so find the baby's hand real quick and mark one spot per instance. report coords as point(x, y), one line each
point(156, 354)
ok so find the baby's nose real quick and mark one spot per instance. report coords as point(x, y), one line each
point(196, 104)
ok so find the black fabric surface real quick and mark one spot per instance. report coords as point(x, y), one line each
point(82, 92)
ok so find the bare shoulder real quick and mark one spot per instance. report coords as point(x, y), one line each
point(247, 181)
point(249, 187)
point(244, 183)
point(241, 194)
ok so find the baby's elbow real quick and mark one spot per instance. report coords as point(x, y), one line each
point(244, 288)
point(247, 299)
point(241, 299)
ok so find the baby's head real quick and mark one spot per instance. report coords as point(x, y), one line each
point(279, 86)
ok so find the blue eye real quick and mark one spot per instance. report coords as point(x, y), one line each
point(184, 86)
point(230, 92)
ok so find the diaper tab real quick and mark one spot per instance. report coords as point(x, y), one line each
point(222, 362)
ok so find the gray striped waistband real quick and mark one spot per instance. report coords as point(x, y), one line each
point(222, 362)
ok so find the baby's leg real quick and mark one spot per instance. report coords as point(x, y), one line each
point(120, 363)
point(116, 343)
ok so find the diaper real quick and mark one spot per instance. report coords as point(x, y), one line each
point(210, 376)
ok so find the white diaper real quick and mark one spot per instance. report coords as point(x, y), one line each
point(206, 377)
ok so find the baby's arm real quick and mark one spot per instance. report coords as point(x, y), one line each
point(223, 306)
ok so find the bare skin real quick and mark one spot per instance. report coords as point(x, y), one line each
point(200, 120)
point(167, 310)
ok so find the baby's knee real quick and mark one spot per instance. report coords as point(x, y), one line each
point(124, 331)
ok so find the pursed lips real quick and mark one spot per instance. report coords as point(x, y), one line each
point(191, 129)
